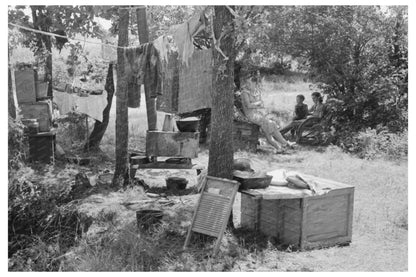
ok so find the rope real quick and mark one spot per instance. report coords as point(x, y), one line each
point(55, 35)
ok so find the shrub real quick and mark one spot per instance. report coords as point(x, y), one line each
point(17, 144)
point(373, 143)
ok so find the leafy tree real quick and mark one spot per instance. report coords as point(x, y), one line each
point(358, 56)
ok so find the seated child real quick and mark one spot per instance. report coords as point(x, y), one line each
point(301, 112)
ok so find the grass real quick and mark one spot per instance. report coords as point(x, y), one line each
point(380, 223)
point(379, 226)
point(379, 240)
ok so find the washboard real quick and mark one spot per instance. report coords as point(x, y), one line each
point(213, 209)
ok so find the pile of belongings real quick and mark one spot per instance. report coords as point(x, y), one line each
point(249, 178)
point(291, 179)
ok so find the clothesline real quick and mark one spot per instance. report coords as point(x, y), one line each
point(55, 35)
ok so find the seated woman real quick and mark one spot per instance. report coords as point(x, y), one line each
point(254, 110)
point(317, 109)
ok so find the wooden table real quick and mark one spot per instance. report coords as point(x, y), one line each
point(299, 218)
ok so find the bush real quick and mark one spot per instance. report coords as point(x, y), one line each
point(17, 144)
point(373, 143)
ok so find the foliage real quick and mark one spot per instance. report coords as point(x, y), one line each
point(17, 145)
point(42, 222)
point(376, 144)
point(358, 54)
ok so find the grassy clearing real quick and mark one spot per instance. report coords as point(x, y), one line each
point(379, 226)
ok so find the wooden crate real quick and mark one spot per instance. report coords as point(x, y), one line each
point(172, 144)
point(42, 147)
point(41, 110)
point(245, 135)
point(305, 222)
point(25, 86)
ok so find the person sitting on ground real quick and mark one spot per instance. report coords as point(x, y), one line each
point(254, 111)
point(301, 111)
point(317, 109)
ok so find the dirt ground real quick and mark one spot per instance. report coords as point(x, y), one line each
point(380, 235)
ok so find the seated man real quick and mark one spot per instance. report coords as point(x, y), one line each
point(301, 111)
point(252, 106)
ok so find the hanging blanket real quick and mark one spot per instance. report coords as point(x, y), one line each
point(92, 105)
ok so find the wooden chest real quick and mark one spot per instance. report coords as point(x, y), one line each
point(41, 110)
point(25, 86)
point(172, 144)
point(245, 135)
point(42, 147)
point(295, 217)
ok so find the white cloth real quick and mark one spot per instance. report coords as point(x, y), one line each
point(91, 105)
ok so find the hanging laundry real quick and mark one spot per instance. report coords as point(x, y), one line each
point(168, 101)
point(183, 35)
point(134, 65)
point(162, 46)
point(92, 105)
point(142, 63)
point(65, 101)
point(195, 82)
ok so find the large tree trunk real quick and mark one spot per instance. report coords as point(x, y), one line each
point(144, 38)
point(221, 144)
point(221, 153)
point(100, 127)
point(121, 175)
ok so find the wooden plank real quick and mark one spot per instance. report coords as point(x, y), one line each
point(164, 165)
point(327, 242)
point(172, 144)
point(350, 214)
point(303, 221)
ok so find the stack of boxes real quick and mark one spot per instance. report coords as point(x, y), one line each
point(34, 104)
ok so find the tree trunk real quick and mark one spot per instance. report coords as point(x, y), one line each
point(121, 175)
point(221, 155)
point(12, 103)
point(220, 162)
point(100, 127)
point(144, 38)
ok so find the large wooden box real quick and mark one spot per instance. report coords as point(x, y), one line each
point(40, 110)
point(25, 86)
point(245, 135)
point(42, 147)
point(172, 144)
point(299, 219)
